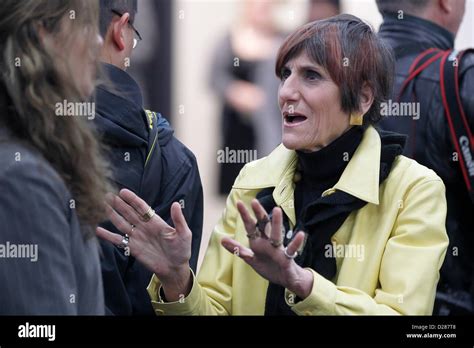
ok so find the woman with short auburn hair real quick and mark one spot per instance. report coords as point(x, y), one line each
point(333, 221)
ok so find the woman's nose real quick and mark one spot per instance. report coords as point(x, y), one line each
point(289, 89)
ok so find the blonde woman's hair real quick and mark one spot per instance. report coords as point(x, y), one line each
point(31, 86)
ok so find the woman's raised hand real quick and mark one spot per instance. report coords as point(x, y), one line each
point(266, 254)
point(161, 248)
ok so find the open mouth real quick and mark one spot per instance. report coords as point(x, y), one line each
point(294, 119)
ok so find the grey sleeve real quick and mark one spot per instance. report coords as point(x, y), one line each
point(34, 214)
point(220, 76)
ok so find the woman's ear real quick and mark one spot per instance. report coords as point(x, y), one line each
point(117, 31)
point(366, 98)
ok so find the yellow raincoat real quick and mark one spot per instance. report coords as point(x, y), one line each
point(399, 237)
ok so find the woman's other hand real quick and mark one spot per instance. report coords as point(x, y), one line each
point(161, 248)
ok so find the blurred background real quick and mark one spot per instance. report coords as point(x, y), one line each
point(194, 52)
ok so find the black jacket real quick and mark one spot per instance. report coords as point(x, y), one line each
point(430, 144)
point(160, 172)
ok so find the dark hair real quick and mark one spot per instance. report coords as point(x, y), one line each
point(409, 6)
point(121, 6)
point(351, 53)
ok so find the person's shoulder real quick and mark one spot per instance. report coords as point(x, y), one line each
point(23, 166)
point(467, 61)
point(179, 153)
point(172, 149)
point(273, 160)
point(15, 155)
point(266, 171)
point(407, 173)
point(29, 183)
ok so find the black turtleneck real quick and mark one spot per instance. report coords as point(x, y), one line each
point(320, 170)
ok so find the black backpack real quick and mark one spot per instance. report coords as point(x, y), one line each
point(461, 135)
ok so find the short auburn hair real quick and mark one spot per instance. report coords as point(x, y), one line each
point(350, 51)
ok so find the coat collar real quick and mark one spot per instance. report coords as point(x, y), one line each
point(123, 84)
point(414, 29)
point(360, 178)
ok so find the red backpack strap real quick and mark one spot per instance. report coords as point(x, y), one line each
point(421, 62)
point(461, 134)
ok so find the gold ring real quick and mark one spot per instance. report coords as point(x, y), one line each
point(148, 215)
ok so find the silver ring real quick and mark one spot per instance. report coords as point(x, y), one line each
point(291, 257)
point(125, 241)
point(275, 243)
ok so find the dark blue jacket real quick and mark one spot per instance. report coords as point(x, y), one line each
point(147, 159)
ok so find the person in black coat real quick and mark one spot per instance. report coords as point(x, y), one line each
point(145, 157)
point(410, 27)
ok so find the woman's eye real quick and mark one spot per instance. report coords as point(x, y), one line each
point(312, 75)
point(285, 73)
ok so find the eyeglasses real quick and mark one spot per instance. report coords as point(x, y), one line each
point(138, 37)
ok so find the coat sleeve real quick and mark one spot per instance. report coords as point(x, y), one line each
point(211, 292)
point(182, 183)
point(409, 270)
point(34, 211)
point(193, 210)
point(114, 266)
